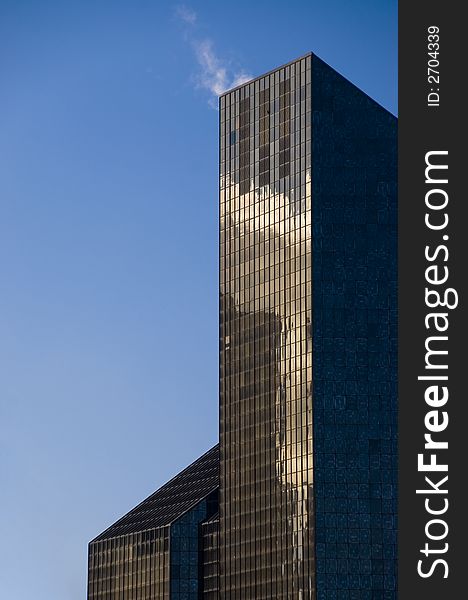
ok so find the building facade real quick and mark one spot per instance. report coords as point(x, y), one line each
point(308, 332)
point(266, 435)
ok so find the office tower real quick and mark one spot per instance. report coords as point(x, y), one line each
point(308, 373)
point(152, 553)
point(307, 339)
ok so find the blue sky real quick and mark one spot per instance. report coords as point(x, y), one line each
point(108, 246)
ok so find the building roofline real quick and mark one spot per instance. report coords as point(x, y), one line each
point(265, 74)
point(170, 522)
point(296, 60)
point(102, 536)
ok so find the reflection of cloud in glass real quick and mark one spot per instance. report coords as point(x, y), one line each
point(289, 233)
point(266, 275)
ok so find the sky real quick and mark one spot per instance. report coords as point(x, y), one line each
point(108, 246)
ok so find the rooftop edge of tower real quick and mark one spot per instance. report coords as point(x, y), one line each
point(291, 62)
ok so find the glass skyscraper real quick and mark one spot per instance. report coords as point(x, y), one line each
point(266, 436)
point(308, 328)
point(307, 338)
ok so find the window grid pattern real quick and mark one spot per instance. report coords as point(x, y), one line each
point(210, 549)
point(186, 552)
point(130, 567)
point(266, 501)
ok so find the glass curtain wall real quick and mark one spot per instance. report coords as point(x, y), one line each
point(266, 502)
point(130, 566)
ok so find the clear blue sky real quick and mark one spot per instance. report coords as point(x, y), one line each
point(108, 246)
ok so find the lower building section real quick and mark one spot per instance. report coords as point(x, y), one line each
point(130, 566)
point(157, 550)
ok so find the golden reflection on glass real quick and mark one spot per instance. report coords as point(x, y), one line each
point(266, 346)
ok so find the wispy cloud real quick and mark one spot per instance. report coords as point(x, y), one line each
point(214, 74)
point(186, 14)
